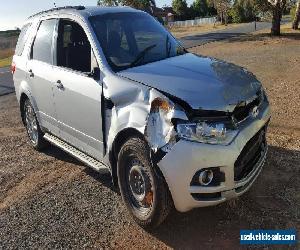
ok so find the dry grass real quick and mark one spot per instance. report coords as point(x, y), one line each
point(7, 49)
point(285, 29)
point(6, 56)
point(5, 62)
point(264, 36)
point(4, 53)
point(191, 30)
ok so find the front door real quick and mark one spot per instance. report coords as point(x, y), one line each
point(77, 95)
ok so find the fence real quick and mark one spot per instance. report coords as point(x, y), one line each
point(208, 20)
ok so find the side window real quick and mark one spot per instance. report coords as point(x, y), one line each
point(73, 47)
point(22, 39)
point(42, 46)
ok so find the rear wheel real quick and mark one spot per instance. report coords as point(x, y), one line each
point(143, 189)
point(32, 127)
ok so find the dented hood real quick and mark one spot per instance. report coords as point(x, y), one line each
point(203, 82)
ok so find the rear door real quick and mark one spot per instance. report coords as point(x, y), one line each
point(40, 73)
point(20, 58)
point(77, 95)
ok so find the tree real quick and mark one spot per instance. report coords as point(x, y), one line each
point(200, 8)
point(237, 13)
point(109, 2)
point(211, 11)
point(146, 5)
point(242, 11)
point(180, 7)
point(222, 7)
point(297, 16)
point(277, 7)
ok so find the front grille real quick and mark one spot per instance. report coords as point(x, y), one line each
point(250, 155)
point(230, 119)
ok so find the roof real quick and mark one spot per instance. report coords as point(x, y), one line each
point(85, 11)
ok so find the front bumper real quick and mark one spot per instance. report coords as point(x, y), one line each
point(186, 158)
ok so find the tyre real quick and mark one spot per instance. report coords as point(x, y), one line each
point(143, 188)
point(32, 127)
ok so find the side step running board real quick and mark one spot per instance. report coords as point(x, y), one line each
point(91, 162)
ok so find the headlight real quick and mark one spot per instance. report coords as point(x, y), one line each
point(211, 133)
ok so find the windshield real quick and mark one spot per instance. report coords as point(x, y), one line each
point(133, 39)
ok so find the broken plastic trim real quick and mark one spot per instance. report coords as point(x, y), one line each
point(159, 131)
point(106, 106)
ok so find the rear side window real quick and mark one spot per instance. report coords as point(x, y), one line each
point(42, 46)
point(22, 39)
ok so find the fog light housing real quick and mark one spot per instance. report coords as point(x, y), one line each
point(206, 177)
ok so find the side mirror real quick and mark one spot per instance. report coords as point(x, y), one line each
point(95, 74)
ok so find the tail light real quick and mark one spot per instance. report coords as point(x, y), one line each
point(13, 68)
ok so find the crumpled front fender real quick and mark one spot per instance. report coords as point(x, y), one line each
point(132, 107)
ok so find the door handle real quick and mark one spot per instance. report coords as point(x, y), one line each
point(59, 85)
point(31, 73)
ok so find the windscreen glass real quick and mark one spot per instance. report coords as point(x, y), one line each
point(133, 39)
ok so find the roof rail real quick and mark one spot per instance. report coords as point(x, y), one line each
point(79, 7)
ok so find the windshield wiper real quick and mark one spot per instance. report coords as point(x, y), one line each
point(141, 55)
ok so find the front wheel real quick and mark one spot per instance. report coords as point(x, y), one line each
point(143, 189)
point(32, 127)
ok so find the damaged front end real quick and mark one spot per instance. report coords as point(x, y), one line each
point(148, 112)
point(168, 123)
point(206, 105)
point(160, 131)
point(184, 140)
point(164, 120)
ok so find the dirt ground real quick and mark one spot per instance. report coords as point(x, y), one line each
point(49, 200)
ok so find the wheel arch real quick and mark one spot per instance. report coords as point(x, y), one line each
point(117, 144)
point(27, 95)
point(23, 98)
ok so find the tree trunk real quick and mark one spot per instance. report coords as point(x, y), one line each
point(275, 30)
point(297, 16)
point(226, 17)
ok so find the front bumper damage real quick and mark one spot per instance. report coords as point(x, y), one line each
point(186, 158)
point(151, 112)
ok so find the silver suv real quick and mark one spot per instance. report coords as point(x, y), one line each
point(112, 87)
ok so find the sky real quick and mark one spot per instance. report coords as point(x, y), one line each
point(15, 12)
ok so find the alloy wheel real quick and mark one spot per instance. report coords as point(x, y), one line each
point(31, 123)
